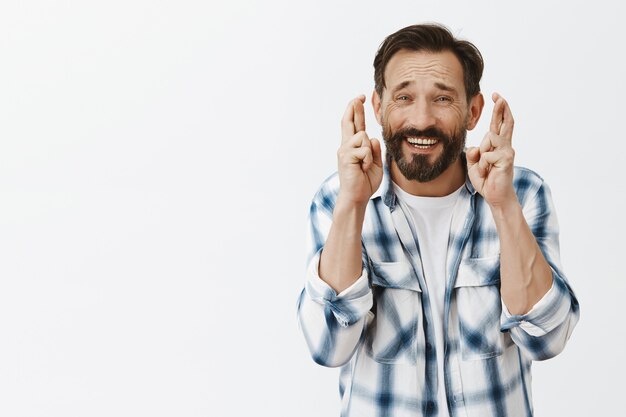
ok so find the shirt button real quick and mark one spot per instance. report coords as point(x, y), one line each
point(430, 405)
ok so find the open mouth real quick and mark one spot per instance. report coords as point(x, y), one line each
point(422, 143)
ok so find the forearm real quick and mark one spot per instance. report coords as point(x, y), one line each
point(341, 259)
point(525, 275)
point(332, 323)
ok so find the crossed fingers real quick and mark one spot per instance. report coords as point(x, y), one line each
point(353, 132)
point(353, 119)
point(501, 128)
point(496, 148)
point(356, 146)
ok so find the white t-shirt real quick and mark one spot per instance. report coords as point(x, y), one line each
point(432, 217)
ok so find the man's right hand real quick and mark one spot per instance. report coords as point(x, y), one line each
point(359, 158)
point(360, 175)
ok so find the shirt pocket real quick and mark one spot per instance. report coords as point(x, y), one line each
point(396, 334)
point(479, 306)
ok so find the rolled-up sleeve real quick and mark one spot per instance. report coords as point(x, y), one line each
point(543, 332)
point(545, 316)
point(349, 306)
point(332, 324)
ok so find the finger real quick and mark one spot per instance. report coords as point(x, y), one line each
point(499, 158)
point(487, 144)
point(359, 114)
point(481, 170)
point(472, 155)
point(506, 129)
point(376, 152)
point(490, 158)
point(483, 164)
point(502, 121)
point(361, 156)
point(358, 140)
point(497, 114)
point(492, 141)
point(347, 121)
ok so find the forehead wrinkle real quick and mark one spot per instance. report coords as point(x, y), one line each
point(432, 67)
point(405, 67)
point(437, 73)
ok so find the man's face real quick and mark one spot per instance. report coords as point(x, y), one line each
point(424, 112)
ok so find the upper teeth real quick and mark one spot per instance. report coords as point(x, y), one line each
point(422, 141)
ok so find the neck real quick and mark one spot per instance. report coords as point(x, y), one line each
point(449, 181)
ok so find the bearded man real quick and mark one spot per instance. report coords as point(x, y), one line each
point(435, 293)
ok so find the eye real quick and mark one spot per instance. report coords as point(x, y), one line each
point(403, 98)
point(443, 99)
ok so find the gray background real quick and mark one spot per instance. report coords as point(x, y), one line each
point(157, 159)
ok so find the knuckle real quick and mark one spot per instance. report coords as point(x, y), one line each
point(354, 141)
point(360, 139)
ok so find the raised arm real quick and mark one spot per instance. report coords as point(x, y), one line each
point(525, 274)
point(360, 174)
point(334, 303)
point(540, 307)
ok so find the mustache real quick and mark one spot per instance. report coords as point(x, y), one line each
point(431, 132)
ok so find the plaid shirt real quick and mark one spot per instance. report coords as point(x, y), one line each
point(380, 331)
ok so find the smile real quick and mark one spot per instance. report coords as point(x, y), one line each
point(422, 143)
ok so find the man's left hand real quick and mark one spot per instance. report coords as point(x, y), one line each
point(490, 166)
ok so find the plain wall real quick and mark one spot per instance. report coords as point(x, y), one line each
point(157, 160)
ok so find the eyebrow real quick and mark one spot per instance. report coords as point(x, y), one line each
point(439, 85)
point(446, 87)
point(400, 86)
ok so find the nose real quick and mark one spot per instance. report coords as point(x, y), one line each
point(421, 116)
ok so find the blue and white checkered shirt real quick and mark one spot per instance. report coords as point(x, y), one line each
point(380, 329)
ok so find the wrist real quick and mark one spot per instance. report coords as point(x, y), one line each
point(349, 216)
point(507, 210)
point(346, 204)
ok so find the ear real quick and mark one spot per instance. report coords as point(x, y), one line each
point(476, 105)
point(376, 104)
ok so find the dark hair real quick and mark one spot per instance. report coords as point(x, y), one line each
point(433, 38)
